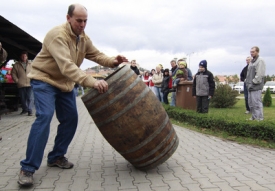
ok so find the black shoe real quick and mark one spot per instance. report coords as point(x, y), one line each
point(23, 112)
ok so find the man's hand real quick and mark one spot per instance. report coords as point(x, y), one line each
point(120, 59)
point(101, 86)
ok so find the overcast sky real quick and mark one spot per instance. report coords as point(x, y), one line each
point(154, 32)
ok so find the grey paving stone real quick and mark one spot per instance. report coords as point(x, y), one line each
point(79, 184)
point(175, 185)
point(94, 185)
point(110, 180)
point(143, 186)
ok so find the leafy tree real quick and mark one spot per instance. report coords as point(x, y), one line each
point(224, 97)
point(228, 79)
point(217, 80)
point(235, 79)
point(267, 100)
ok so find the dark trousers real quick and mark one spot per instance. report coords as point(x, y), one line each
point(246, 97)
point(165, 97)
point(202, 104)
point(26, 96)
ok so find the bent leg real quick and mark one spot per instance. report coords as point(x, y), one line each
point(66, 113)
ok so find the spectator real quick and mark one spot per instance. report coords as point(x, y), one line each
point(151, 84)
point(19, 74)
point(243, 77)
point(146, 78)
point(255, 83)
point(165, 85)
point(82, 89)
point(157, 80)
point(161, 68)
point(203, 87)
point(134, 67)
point(181, 75)
point(76, 86)
point(172, 74)
point(54, 72)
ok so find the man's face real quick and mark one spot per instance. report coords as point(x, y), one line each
point(247, 60)
point(173, 64)
point(253, 52)
point(201, 69)
point(78, 20)
point(133, 63)
point(23, 57)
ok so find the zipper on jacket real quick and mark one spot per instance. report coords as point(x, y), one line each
point(77, 40)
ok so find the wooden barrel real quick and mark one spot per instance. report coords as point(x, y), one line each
point(132, 120)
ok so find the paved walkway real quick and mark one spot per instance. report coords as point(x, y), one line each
point(201, 162)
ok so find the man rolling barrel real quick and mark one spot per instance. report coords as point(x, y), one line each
point(54, 72)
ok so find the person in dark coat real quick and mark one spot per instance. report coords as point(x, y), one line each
point(134, 67)
point(203, 87)
point(165, 85)
point(243, 77)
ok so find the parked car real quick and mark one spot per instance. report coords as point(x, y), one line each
point(238, 87)
point(270, 85)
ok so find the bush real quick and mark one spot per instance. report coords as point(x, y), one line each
point(267, 101)
point(224, 97)
point(262, 131)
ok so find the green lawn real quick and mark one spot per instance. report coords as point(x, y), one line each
point(237, 112)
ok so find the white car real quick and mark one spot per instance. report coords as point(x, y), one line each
point(238, 87)
point(270, 85)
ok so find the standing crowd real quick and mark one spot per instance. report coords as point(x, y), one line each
point(163, 81)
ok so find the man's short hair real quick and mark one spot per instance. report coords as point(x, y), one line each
point(71, 10)
point(256, 48)
point(24, 52)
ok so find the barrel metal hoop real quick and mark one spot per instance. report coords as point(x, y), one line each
point(129, 106)
point(148, 139)
point(120, 95)
point(170, 152)
point(156, 148)
point(174, 142)
point(113, 88)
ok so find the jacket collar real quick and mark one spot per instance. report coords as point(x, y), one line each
point(69, 29)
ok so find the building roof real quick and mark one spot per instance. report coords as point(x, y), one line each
point(14, 40)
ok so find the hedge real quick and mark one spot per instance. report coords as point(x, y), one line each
point(261, 130)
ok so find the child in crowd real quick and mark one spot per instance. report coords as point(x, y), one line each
point(203, 87)
point(181, 75)
point(146, 78)
point(165, 85)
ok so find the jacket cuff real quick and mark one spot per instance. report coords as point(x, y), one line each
point(89, 82)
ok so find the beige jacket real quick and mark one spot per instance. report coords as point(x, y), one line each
point(157, 79)
point(3, 55)
point(19, 75)
point(62, 54)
